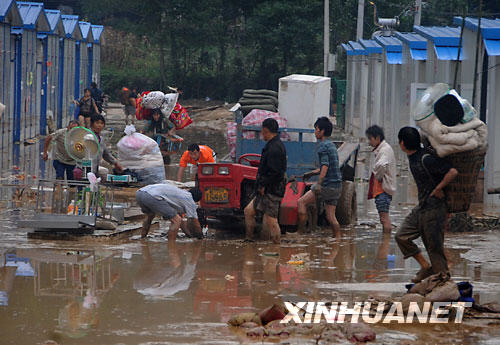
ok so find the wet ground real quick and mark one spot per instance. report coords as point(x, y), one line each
point(156, 292)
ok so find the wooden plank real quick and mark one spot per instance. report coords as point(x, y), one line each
point(120, 235)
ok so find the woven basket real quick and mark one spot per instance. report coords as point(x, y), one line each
point(460, 191)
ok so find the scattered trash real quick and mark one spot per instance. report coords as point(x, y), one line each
point(229, 277)
point(270, 254)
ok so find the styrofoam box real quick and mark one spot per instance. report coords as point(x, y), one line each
point(302, 99)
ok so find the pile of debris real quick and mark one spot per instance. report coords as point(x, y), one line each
point(258, 99)
point(268, 324)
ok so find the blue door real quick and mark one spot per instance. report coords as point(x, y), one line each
point(43, 111)
point(17, 88)
point(60, 89)
point(77, 70)
point(90, 63)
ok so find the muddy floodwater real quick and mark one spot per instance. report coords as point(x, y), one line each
point(155, 292)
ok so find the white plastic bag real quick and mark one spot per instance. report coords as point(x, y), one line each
point(138, 151)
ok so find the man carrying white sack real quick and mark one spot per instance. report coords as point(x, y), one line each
point(172, 203)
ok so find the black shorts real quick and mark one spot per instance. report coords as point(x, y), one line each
point(85, 115)
point(267, 204)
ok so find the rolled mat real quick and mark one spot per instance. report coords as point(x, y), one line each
point(262, 107)
point(261, 92)
point(252, 96)
point(255, 101)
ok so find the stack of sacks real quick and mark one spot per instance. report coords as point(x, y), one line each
point(449, 122)
point(254, 118)
point(258, 99)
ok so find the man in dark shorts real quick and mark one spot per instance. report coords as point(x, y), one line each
point(270, 183)
point(432, 174)
point(170, 202)
point(329, 184)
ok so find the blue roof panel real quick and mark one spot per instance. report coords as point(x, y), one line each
point(371, 46)
point(348, 49)
point(413, 40)
point(85, 28)
point(440, 35)
point(53, 16)
point(492, 47)
point(70, 24)
point(390, 43)
point(448, 53)
point(30, 11)
point(358, 48)
point(418, 54)
point(394, 58)
point(97, 31)
point(5, 6)
point(490, 28)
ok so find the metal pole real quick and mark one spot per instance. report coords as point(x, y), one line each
point(478, 41)
point(459, 49)
point(361, 14)
point(326, 38)
point(418, 13)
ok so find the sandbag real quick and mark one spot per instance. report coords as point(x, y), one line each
point(412, 298)
point(430, 283)
point(261, 92)
point(447, 292)
point(255, 101)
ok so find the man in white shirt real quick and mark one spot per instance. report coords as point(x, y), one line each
point(383, 176)
point(172, 203)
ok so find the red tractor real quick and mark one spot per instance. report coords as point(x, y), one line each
point(227, 187)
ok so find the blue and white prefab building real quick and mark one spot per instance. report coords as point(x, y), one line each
point(38, 76)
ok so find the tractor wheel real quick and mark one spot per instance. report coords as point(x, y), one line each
point(346, 211)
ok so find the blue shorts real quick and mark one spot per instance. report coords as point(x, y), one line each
point(383, 202)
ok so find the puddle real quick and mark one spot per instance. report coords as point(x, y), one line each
point(162, 293)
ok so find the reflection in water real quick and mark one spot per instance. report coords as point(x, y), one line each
point(79, 279)
point(184, 292)
point(165, 278)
